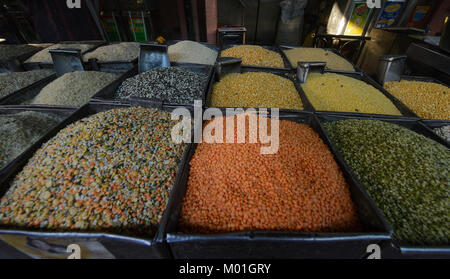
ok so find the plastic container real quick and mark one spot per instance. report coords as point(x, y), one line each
point(96, 245)
point(404, 110)
point(285, 74)
point(396, 249)
point(287, 65)
point(107, 94)
point(269, 244)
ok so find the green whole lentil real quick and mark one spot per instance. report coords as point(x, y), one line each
point(112, 171)
point(19, 131)
point(173, 84)
point(405, 173)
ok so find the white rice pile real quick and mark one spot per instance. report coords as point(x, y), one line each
point(192, 52)
point(11, 82)
point(116, 52)
point(44, 56)
point(306, 54)
point(74, 89)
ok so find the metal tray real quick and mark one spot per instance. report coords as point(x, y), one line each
point(306, 104)
point(118, 246)
point(110, 67)
point(43, 65)
point(272, 244)
point(428, 79)
point(396, 249)
point(107, 94)
point(287, 65)
point(285, 47)
point(405, 111)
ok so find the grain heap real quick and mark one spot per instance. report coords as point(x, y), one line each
point(405, 173)
point(11, 82)
point(44, 55)
point(333, 92)
point(254, 55)
point(9, 51)
point(111, 172)
point(173, 84)
point(192, 52)
point(73, 89)
point(126, 51)
point(233, 187)
point(20, 130)
point(444, 132)
point(334, 61)
point(428, 100)
point(255, 89)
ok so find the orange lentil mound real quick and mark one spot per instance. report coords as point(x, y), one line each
point(233, 187)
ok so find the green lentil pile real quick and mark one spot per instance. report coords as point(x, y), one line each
point(11, 82)
point(73, 89)
point(173, 84)
point(112, 171)
point(19, 131)
point(405, 173)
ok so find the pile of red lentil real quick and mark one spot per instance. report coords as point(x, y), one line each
point(233, 187)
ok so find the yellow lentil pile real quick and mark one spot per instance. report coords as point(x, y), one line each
point(334, 61)
point(255, 89)
point(428, 100)
point(254, 55)
point(333, 92)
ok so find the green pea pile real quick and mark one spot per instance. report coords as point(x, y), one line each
point(112, 171)
point(405, 173)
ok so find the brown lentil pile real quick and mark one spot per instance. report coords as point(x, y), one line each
point(405, 173)
point(74, 89)
point(112, 171)
point(428, 100)
point(19, 131)
point(11, 82)
point(255, 89)
point(254, 55)
point(233, 187)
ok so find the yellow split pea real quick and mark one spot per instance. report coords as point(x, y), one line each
point(333, 92)
point(428, 100)
point(255, 89)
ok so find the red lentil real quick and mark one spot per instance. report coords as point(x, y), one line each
point(232, 187)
